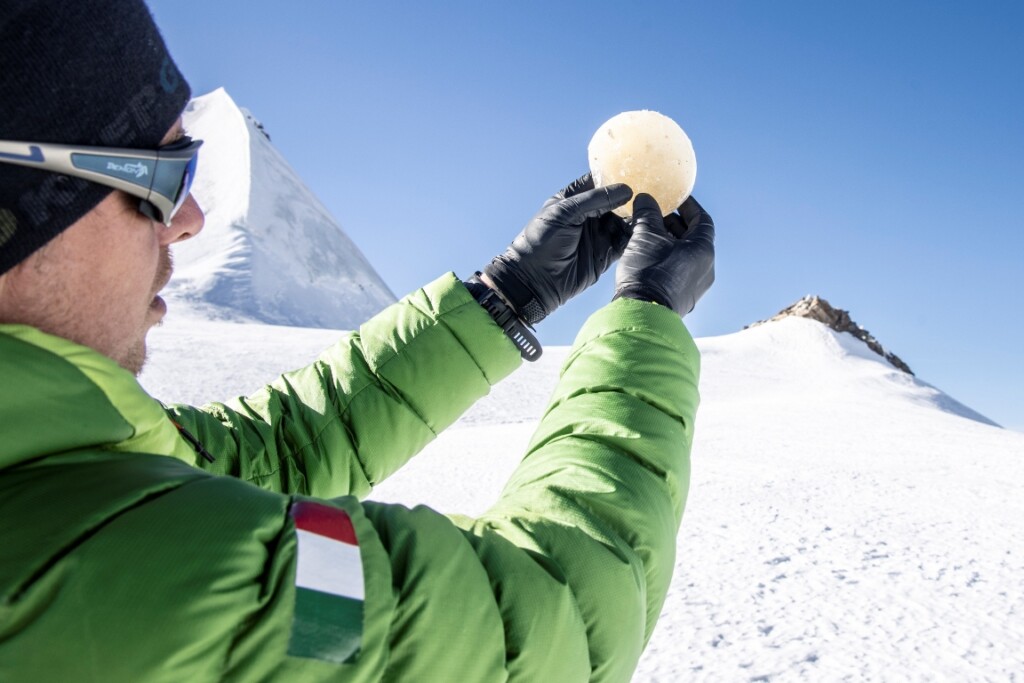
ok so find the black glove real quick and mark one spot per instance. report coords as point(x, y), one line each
point(670, 261)
point(563, 250)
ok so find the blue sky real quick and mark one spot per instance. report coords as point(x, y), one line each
point(871, 153)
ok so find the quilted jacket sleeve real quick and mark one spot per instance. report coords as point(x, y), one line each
point(564, 577)
point(144, 568)
point(342, 424)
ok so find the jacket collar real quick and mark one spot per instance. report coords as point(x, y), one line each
point(58, 396)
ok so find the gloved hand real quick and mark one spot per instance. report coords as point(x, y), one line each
point(562, 250)
point(670, 261)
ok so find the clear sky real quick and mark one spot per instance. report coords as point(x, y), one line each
point(870, 152)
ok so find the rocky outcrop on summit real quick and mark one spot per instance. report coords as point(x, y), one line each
point(816, 308)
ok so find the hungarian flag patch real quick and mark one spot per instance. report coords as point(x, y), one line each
point(329, 588)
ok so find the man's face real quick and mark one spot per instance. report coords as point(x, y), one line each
point(97, 282)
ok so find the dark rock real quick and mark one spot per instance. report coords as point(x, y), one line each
point(816, 308)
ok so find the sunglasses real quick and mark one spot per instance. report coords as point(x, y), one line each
point(161, 178)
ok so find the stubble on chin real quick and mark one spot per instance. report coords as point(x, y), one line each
point(134, 357)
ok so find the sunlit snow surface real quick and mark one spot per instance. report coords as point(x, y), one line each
point(845, 521)
point(270, 251)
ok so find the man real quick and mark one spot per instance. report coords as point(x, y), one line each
point(144, 543)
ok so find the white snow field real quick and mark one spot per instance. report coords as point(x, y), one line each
point(845, 520)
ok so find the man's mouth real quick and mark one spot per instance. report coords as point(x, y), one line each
point(158, 305)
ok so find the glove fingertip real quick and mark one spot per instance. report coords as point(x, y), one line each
point(618, 194)
point(645, 204)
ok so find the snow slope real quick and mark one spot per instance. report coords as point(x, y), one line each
point(270, 251)
point(845, 522)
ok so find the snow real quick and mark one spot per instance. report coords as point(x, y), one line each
point(270, 251)
point(845, 522)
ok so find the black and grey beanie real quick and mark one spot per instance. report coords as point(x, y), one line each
point(76, 72)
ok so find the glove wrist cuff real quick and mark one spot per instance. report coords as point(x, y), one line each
point(515, 293)
point(505, 317)
point(641, 293)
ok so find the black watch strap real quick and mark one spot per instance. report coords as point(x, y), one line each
point(514, 328)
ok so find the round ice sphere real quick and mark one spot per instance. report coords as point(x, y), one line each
point(649, 152)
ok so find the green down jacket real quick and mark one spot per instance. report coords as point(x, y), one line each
point(124, 556)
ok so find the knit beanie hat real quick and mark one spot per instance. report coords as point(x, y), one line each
point(76, 72)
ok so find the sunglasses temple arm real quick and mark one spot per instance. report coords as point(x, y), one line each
point(58, 159)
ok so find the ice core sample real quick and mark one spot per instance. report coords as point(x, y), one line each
point(649, 152)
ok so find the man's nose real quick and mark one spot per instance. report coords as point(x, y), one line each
point(188, 222)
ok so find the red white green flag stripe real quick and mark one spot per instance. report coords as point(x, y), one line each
point(329, 589)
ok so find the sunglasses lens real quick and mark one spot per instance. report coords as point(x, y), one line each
point(186, 183)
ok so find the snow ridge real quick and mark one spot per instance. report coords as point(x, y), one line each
point(270, 251)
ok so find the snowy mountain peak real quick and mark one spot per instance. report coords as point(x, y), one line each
point(816, 308)
point(270, 251)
